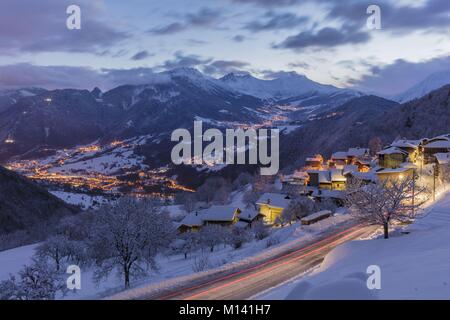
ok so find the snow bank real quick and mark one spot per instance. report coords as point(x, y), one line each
point(413, 266)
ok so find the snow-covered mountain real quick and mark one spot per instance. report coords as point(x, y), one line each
point(431, 83)
point(286, 86)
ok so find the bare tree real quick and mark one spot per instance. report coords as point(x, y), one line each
point(375, 145)
point(384, 202)
point(127, 237)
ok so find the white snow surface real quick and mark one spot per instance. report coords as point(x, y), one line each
point(413, 266)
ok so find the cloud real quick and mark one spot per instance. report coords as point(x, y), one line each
point(168, 29)
point(57, 77)
point(400, 75)
point(182, 60)
point(141, 55)
point(221, 67)
point(269, 3)
point(238, 38)
point(276, 21)
point(40, 26)
point(50, 77)
point(326, 37)
point(205, 17)
point(433, 14)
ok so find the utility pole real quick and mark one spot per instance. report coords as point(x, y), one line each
point(413, 192)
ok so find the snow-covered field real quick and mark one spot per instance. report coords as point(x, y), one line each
point(80, 199)
point(171, 266)
point(413, 266)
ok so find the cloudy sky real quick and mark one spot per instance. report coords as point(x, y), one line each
point(128, 41)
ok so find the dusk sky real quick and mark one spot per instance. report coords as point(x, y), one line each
point(127, 41)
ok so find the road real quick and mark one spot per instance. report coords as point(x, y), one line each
point(251, 281)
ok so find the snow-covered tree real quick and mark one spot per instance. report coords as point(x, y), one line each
point(185, 244)
point(126, 238)
point(211, 235)
point(37, 281)
point(58, 249)
point(260, 230)
point(238, 236)
point(298, 208)
point(387, 201)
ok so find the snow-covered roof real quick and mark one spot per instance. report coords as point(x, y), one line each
point(438, 144)
point(316, 215)
point(357, 152)
point(300, 175)
point(396, 170)
point(340, 155)
point(349, 169)
point(406, 143)
point(393, 150)
point(277, 200)
point(333, 194)
point(324, 176)
point(248, 214)
point(336, 175)
point(443, 158)
point(219, 213)
point(192, 220)
point(366, 176)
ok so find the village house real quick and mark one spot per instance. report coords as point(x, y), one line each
point(248, 217)
point(316, 217)
point(354, 154)
point(295, 183)
point(443, 161)
point(395, 173)
point(314, 163)
point(392, 157)
point(272, 205)
point(412, 147)
point(338, 159)
point(435, 145)
point(192, 222)
point(221, 215)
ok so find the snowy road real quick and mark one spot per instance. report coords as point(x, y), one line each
point(253, 280)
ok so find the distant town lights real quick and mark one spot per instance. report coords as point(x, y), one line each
point(48, 99)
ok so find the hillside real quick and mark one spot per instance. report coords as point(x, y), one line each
point(342, 128)
point(358, 121)
point(25, 205)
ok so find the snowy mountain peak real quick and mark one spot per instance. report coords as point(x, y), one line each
point(431, 83)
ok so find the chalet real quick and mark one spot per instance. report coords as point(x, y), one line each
point(412, 147)
point(316, 217)
point(339, 158)
point(395, 173)
point(314, 163)
point(221, 215)
point(319, 179)
point(439, 144)
point(332, 179)
point(336, 196)
point(357, 153)
point(248, 217)
point(392, 157)
point(443, 161)
point(272, 205)
point(338, 180)
point(192, 222)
